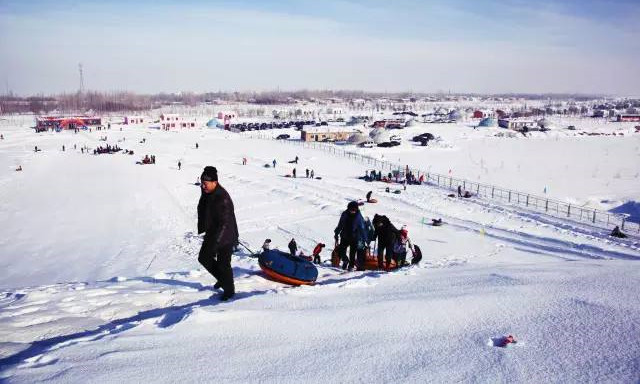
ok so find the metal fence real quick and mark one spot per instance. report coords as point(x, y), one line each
point(551, 207)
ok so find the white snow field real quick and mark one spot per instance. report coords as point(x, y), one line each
point(99, 279)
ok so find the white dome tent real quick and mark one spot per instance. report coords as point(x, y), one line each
point(382, 137)
point(357, 138)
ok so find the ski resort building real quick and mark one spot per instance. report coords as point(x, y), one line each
point(173, 120)
point(517, 125)
point(325, 135)
point(628, 117)
point(390, 123)
point(66, 122)
point(134, 120)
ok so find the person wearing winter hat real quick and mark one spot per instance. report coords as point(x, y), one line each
point(316, 253)
point(217, 220)
point(353, 235)
point(266, 245)
point(402, 244)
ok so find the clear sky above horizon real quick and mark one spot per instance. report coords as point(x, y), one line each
point(479, 46)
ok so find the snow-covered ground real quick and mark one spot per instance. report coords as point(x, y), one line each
point(100, 279)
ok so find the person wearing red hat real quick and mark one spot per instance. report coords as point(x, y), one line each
point(402, 244)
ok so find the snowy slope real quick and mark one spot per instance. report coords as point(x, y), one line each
point(99, 269)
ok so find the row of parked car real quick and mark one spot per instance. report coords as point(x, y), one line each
point(395, 140)
point(242, 127)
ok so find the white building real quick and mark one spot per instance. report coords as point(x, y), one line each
point(134, 120)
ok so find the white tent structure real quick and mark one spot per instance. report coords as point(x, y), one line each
point(357, 138)
point(380, 135)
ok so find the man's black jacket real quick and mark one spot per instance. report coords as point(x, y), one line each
point(217, 220)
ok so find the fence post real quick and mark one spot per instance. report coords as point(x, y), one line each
point(450, 182)
point(527, 200)
point(438, 179)
point(569, 210)
point(492, 190)
point(594, 217)
point(622, 225)
point(478, 190)
point(509, 196)
point(464, 185)
point(546, 206)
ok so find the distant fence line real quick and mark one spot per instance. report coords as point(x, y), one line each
point(541, 204)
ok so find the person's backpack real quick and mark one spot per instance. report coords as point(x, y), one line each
point(399, 246)
point(370, 230)
point(417, 255)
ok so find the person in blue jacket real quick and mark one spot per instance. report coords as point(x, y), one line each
point(351, 233)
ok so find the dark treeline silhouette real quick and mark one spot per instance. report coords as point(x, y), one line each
point(100, 102)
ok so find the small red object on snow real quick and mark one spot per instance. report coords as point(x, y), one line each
point(508, 340)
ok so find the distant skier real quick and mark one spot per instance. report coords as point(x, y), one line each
point(197, 146)
point(369, 196)
point(352, 234)
point(274, 163)
point(63, 148)
point(459, 191)
point(217, 220)
point(307, 171)
point(244, 161)
point(296, 160)
point(294, 172)
point(293, 247)
point(316, 253)
point(311, 173)
point(179, 165)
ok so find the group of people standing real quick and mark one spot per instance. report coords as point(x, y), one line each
point(355, 234)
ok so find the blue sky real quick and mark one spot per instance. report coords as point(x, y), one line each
point(429, 46)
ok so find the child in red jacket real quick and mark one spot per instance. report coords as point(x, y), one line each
point(316, 253)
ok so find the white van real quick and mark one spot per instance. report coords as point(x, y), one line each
point(368, 144)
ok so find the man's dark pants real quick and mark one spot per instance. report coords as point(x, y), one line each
point(219, 265)
point(353, 250)
point(386, 251)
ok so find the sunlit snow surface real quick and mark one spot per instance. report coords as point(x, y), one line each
point(100, 281)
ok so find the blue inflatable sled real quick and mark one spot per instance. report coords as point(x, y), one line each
point(283, 267)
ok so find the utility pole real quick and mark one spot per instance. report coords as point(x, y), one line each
point(81, 78)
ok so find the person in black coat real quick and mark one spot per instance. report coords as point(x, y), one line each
point(217, 220)
point(386, 234)
point(293, 247)
point(352, 231)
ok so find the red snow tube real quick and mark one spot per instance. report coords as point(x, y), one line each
point(372, 201)
point(371, 263)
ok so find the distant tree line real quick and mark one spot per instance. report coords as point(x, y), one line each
point(107, 102)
